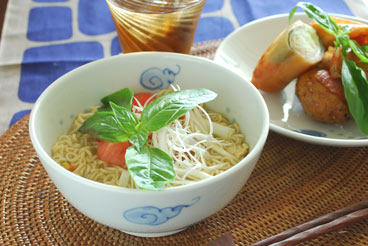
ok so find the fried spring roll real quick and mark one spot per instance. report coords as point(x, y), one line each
point(359, 31)
point(294, 51)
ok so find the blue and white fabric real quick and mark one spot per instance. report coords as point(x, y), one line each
point(44, 39)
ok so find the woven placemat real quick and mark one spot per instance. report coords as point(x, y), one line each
point(293, 183)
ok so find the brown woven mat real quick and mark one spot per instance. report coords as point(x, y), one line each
point(293, 182)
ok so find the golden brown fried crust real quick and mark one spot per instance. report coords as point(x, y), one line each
point(317, 100)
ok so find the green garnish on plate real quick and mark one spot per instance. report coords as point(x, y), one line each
point(353, 78)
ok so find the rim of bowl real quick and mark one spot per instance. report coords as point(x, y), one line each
point(50, 161)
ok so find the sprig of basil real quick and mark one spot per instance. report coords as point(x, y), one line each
point(356, 91)
point(317, 14)
point(353, 78)
point(151, 168)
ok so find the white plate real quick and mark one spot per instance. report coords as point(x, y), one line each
point(241, 50)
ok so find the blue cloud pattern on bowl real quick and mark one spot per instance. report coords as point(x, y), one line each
point(155, 78)
point(151, 215)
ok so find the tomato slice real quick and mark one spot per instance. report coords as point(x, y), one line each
point(112, 153)
point(142, 98)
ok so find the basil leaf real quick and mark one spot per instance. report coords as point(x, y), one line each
point(127, 119)
point(346, 29)
point(139, 139)
point(356, 93)
point(151, 168)
point(342, 40)
point(104, 126)
point(122, 98)
point(318, 15)
point(170, 107)
point(358, 51)
point(364, 47)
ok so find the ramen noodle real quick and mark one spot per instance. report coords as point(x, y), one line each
point(202, 144)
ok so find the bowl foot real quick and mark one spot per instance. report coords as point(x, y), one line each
point(154, 234)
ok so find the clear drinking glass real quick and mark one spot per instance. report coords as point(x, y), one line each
point(156, 25)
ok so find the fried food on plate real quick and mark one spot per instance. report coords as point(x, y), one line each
point(294, 51)
point(322, 96)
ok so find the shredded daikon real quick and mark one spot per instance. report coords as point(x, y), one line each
point(189, 141)
point(222, 131)
point(124, 178)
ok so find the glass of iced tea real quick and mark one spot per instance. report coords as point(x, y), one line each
point(156, 25)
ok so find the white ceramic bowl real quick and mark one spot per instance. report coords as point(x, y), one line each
point(160, 212)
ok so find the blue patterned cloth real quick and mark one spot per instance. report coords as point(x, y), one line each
point(44, 39)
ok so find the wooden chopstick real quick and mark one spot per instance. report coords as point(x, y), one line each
point(324, 224)
point(335, 225)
